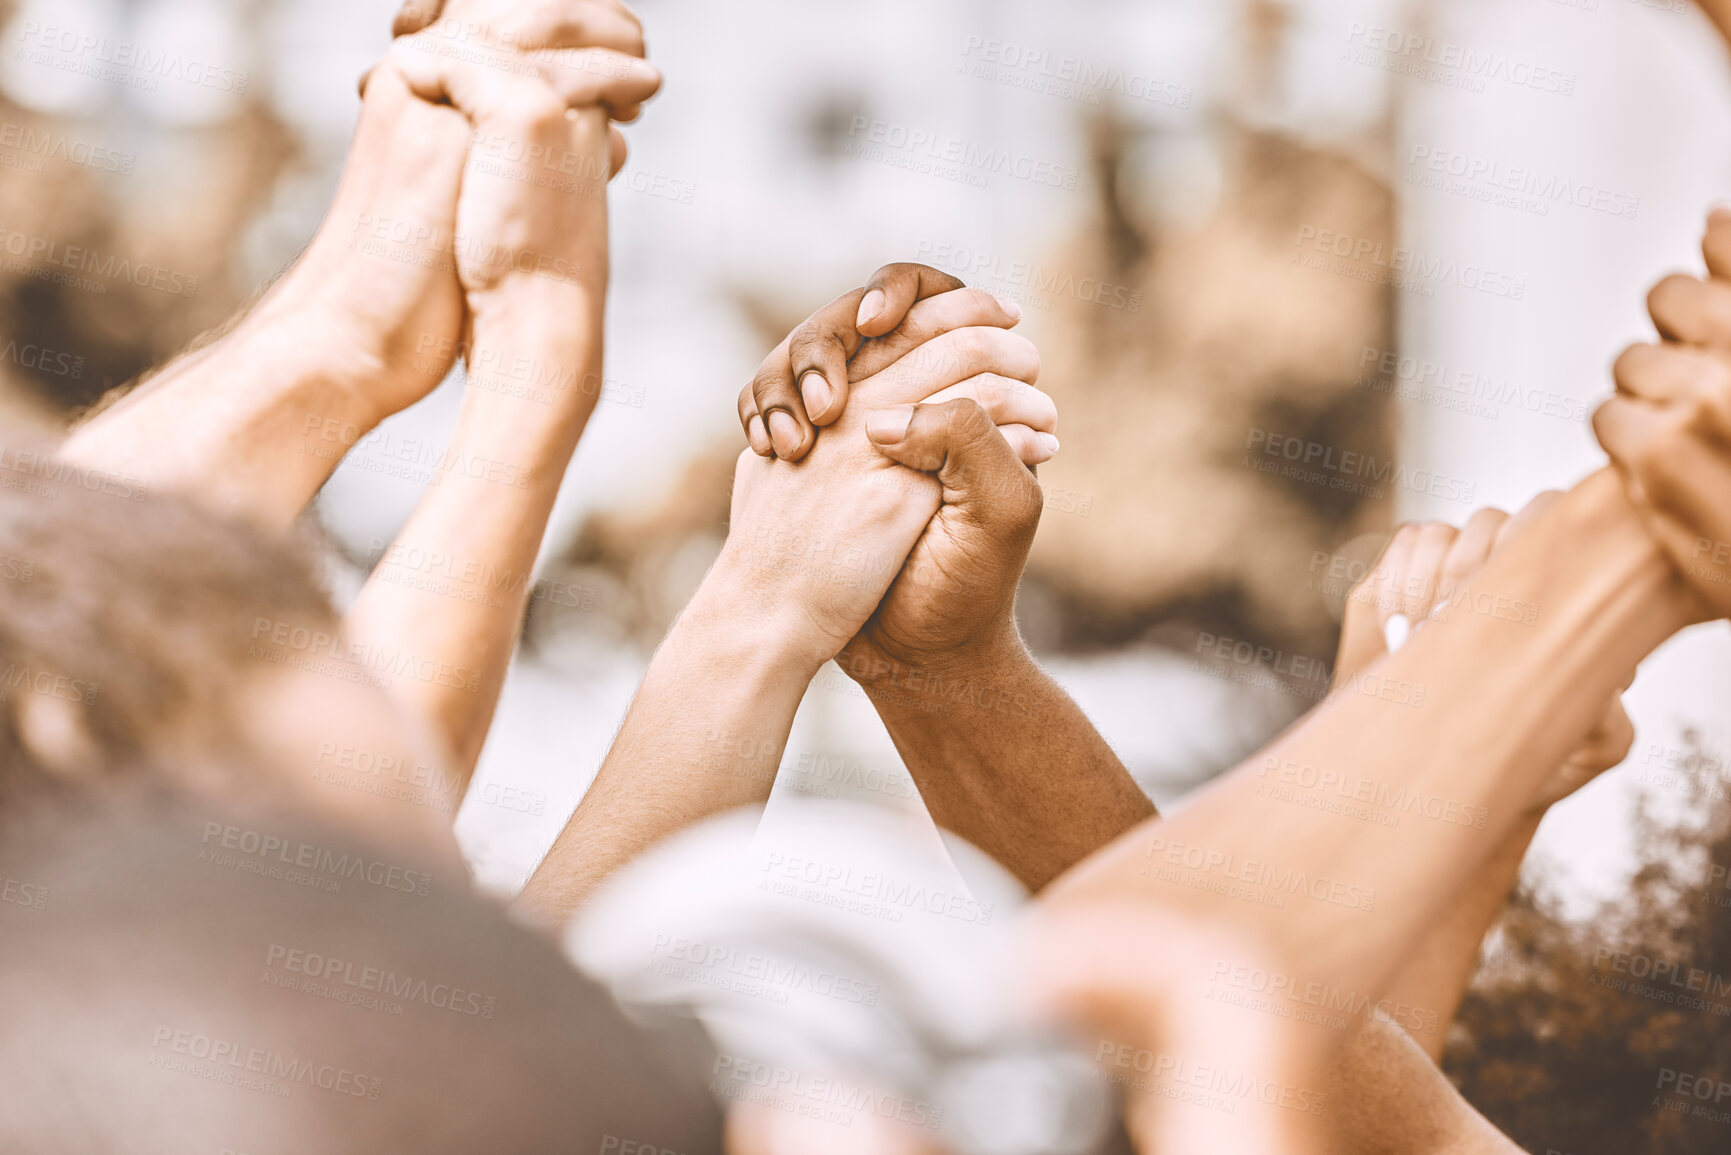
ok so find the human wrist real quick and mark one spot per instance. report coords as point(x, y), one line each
point(316, 379)
point(532, 377)
point(331, 357)
point(992, 661)
point(1624, 573)
point(744, 609)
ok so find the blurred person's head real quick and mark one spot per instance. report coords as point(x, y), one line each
point(141, 634)
point(168, 986)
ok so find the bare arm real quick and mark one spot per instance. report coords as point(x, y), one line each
point(1475, 709)
point(1427, 571)
point(256, 422)
point(1390, 1099)
point(1001, 755)
point(533, 266)
point(811, 549)
point(368, 320)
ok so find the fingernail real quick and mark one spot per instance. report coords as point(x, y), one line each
point(785, 433)
point(869, 307)
point(758, 436)
point(1395, 632)
point(1050, 442)
point(1009, 306)
point(888, 426)
point(817, 394)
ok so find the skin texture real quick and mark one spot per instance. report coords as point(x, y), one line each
point(432, 249)
point(489, 512)
point(812, 548)
point(1669, 423)
point(1503, 704)
point(421, 258)
point(372, 315)
point(1000, 753)
point(1433, 569)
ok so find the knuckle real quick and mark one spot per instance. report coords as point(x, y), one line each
point(769, 386)
point(537, 105)
point(1631, 364)
point(1437, 533)
point(972, 344)
point(1671, 295)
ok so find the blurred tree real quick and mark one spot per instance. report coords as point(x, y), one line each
point(1563, 1038)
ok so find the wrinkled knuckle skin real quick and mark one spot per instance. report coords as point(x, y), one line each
point(768, 388)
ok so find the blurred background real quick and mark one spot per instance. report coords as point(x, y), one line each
point(1413, 232)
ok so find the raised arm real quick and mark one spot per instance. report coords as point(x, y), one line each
point(1433, 570)
point(811, 549)
point(533, 267)
point(1476, 709)
point(364, 324)
point(1001, 754)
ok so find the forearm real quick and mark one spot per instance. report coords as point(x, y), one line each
point(1498, 704)
point(251, 425)
point(1387, 1098)
point(454, 585)
point(704, 734)
point(1426, 991)
point(361, 326)
point(1006, 759)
